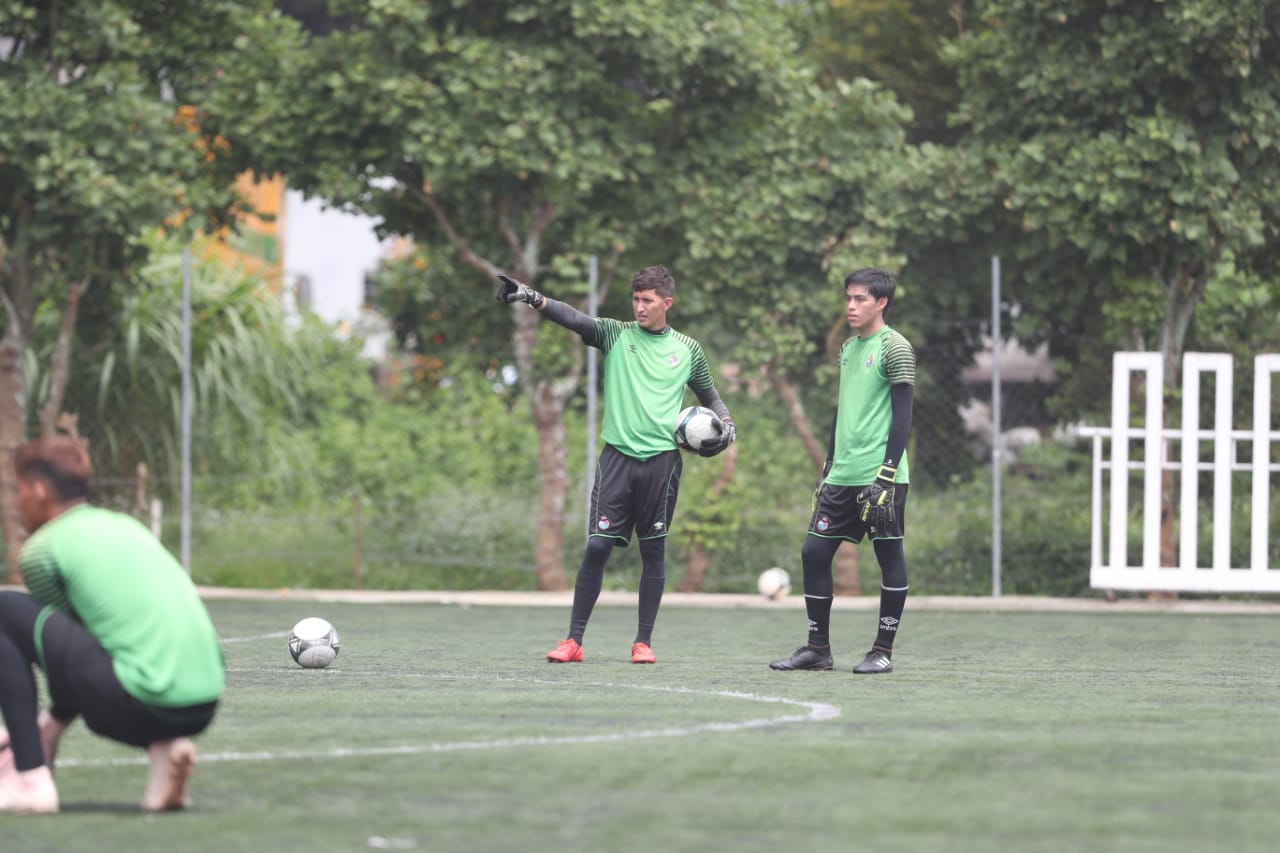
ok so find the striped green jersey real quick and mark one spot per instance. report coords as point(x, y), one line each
point(112, 575)
point(868, 366)
point(645, 374)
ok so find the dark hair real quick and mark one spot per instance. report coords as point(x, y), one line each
point(658, 279)
point(60, 460)
point(878, 283)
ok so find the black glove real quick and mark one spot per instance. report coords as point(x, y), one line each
point(728, 434)
point(513, 291)
point(877, 499)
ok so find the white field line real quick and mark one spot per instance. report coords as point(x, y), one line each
point(814, 712)
point(272, 636)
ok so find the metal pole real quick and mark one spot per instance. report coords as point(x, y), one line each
point(593, 307)
point(996, 454)
point(185, 427)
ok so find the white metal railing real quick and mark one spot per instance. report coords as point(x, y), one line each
point(1110, 567)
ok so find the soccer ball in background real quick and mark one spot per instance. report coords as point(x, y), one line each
point(774, 583)
point(313, 643)
point(697, 426)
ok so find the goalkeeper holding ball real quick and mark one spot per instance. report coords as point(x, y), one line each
point(863, 491)
point(647, 365)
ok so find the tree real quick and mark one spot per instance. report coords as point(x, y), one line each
point(1144, 136)
point(94, 150)
point(1138, 141)
point(441, 330)
point(529, 137)
point(771, 251)
point(897, 43)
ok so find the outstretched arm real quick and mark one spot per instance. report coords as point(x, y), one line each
point(563, 314)
point(560, 313)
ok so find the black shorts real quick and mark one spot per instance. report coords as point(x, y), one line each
point(82, 681)
point(634, 495)
point(836, 515)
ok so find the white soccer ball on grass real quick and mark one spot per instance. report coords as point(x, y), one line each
point(774, 583)
point(313, 643)
point(697, 426)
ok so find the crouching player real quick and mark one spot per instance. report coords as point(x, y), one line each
point(116, 625)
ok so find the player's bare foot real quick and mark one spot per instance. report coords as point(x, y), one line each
point(51, 730)
point(28, 791)
point(172, 762)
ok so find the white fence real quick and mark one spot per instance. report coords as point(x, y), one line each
point(1147, 449)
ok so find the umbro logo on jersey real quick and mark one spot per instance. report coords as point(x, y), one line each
point(632, 348)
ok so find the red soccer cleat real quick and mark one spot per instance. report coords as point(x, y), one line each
point(566, 651)
point(641, 653)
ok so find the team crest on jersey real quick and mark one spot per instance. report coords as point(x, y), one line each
point(871, 360)
point(603, 523)
point(823, 523)
point(673, 359)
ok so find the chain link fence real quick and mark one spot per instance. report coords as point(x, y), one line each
point(481, 536)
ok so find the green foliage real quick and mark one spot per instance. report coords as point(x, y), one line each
point(444, 329)
point(897, 43)
point(1127, 139)
point(1045, 527)
point(125, 377)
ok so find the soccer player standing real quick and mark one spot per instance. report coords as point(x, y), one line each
point(118, 628)
point(647, 365)
point(863, 491)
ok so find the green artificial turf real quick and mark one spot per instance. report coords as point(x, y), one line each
point(442, 728)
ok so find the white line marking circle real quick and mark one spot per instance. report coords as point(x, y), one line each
point(814, 712)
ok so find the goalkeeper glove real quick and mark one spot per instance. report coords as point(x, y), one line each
point(876, 500)
point(728, 434)
point(513, 291)
point(817, 490)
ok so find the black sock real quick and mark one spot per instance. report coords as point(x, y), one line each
point(819, 587)
point(653, 580)
point(586, 589)
point(893, 591)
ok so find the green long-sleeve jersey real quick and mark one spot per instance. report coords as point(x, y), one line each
point(868, 367)
point(106, 570)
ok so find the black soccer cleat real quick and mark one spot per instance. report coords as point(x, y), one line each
point(805, 657)
point(874, 663)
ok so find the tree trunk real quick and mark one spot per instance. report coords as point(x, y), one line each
point(696, 568)
point(548, 560)
point(548, 398)
point(847, 563)
point(12, 416)
point(60, 363)
point(1184, 289)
